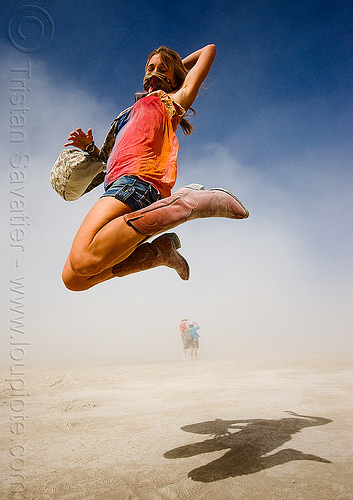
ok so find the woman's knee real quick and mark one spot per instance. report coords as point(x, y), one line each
point(73, 282)
point(85, 264)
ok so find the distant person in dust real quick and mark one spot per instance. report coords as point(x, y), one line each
point(183, 327)
point(192, 338)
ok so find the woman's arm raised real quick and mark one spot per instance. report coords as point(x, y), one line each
point(199, 64)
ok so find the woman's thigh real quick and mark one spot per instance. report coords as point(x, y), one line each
point(103, 211)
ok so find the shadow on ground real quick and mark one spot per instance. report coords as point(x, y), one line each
point(250, 442)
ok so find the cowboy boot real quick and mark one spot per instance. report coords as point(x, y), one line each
point(160, 252)
point(188, 203)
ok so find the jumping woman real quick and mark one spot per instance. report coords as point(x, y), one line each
point(141, 172)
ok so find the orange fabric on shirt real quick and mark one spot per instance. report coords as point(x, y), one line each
point(147, 146)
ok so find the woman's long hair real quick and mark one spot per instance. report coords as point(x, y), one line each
point(172, 60)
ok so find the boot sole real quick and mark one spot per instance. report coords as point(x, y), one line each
point(235, 198)
point(198, 187)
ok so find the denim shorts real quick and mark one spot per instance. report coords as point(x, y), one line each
point(133, 191)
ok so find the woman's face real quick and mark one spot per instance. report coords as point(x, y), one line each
point(156, 64)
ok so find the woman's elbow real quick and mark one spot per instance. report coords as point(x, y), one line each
point(212, 48)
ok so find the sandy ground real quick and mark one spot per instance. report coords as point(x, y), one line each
point(179, 430)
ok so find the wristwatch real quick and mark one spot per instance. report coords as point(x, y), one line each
point(90, 147)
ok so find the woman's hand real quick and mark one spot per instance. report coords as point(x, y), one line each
point(78, 139)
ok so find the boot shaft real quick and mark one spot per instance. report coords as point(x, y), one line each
point(185, 204)
point(160, 252)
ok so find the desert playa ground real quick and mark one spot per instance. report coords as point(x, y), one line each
point(180, 430)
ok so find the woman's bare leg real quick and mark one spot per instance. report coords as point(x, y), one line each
point(78, 283)
point(103, 240)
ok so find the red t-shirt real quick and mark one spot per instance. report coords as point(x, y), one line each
point(183, 328)
point(147, 146)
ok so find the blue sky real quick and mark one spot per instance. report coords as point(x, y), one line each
point(273, 125)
